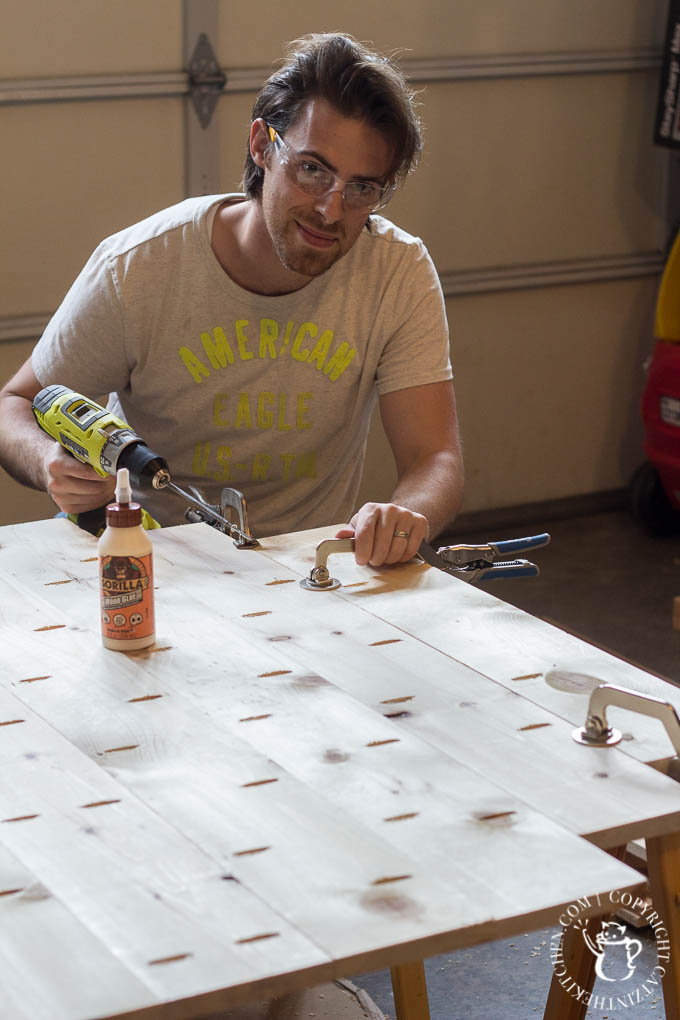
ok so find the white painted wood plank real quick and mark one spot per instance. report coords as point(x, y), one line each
point(601, 792)
point(605, 810)
point(147, 893)
point(51, 966)
point(545, 664)
point(490, 793)
point(203, 799)
point(608, 809)
point(305, 727)
point(219, 649)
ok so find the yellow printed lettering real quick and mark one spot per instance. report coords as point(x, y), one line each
point(297, 351)
point(302, 401)
point(220, 410)
point(194, 364)
point(265, 417)
point(339, 362)
point(243, 412)
point(223, 458)
point(200, 462)
point(305, 467)
point(281, 424)
point(286, 338)
point(242, 340)
point(269, 334)
point(218, 350)
point(321, 348)
point(287, 460)
point(260, 470)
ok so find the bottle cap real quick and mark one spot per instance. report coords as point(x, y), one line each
point(123, 490)
point(123, 513)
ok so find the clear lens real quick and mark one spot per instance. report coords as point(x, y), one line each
point(359, 194)
point(356, 194)
point(315, 180)
point(311, 178)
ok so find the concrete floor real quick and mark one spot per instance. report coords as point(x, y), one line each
point(606, 580)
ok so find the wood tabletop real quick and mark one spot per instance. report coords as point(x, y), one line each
point(290, 786)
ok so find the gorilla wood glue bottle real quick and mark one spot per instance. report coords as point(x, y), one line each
point(126, 574)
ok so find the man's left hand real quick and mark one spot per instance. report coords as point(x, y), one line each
point(385, 533)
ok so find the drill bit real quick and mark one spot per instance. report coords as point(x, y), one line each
point(232, 530)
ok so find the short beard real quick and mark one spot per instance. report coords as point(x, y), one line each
point(310, 264)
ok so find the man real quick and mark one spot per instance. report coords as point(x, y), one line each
point(245, 338)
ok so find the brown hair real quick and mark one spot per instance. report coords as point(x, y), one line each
point(356, 81)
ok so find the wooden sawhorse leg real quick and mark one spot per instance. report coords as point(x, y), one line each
point(577, 964)
point(663, 866)
point(410, 991)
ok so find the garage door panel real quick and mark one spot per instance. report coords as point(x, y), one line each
point(574, 356)
point(81, 172)
point(75, 37)
point(568, 422)
point(434, 28)
point(526, 170)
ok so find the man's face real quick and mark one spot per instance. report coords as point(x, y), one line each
point(310, 233)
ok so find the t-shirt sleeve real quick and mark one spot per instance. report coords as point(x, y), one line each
point(416, 351)
point(83, 346)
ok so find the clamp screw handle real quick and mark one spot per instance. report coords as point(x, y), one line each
point(319, 576)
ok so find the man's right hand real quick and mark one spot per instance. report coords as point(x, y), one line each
point(75, 487)
point(34, 458)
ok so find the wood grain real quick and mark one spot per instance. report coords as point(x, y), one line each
point(554, 669)
point(289, 785)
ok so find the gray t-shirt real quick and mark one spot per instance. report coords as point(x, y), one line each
point(272, 395)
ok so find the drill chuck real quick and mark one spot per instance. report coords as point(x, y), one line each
point(144, 465)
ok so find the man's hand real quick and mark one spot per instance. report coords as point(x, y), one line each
point(74, 487)
point(34, 459)
point(385, 533)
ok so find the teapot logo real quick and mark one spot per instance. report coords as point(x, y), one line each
point(613, 936)
point(617, 953)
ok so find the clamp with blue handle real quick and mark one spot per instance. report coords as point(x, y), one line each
point(474, 563)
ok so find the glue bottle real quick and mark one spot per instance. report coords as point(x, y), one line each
point(126, 573)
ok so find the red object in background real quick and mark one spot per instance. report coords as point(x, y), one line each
point(655, 486)
point(661, 417)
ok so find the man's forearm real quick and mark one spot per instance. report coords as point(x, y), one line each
point(23, 446)
point(433, 487)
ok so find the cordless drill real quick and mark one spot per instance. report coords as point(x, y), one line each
point(96, 436)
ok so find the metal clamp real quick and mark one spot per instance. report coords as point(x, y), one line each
point(215, 516)
point(474, 563)
point(319, 578)
point(598, 733)
point(234, 498)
